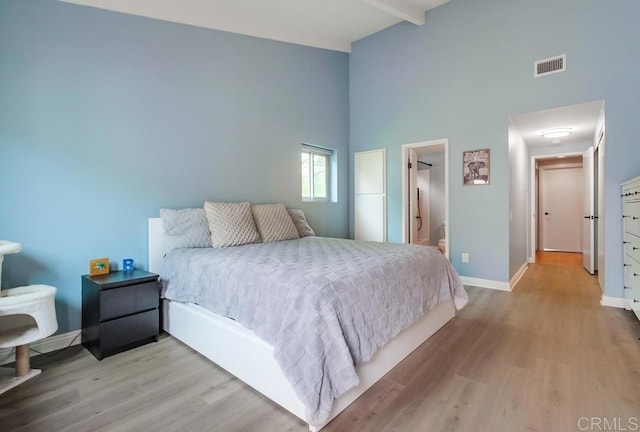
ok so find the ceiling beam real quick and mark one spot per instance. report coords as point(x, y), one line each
point(400, 9)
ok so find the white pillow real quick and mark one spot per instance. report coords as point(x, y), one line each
point(273, 222)
point(231, 224)
point(300, 221)
point(185, 228)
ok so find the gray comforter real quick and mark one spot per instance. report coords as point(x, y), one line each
point(325, 304)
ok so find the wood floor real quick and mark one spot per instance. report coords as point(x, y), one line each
point(562, 258)
point(536, 359)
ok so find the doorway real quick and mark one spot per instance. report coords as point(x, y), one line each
point(555, 133)
point(564, 206)
point(425, 194)
point(560, 204)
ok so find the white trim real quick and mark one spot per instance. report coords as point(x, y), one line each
point(485, 283)
point(46, 345)
point(400, 9)
point(615, 302)
point(516, 277)
point(406, 148)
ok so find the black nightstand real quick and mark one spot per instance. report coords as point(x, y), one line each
point(119, 311)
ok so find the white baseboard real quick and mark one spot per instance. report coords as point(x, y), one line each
point(52, 343)
point(615, 302)
point(516, 277)
point(485, 283)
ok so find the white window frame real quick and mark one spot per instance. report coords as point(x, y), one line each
point(326, 153)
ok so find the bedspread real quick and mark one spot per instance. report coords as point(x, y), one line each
point(324, 304)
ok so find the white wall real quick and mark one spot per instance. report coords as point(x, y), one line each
point(518, 198)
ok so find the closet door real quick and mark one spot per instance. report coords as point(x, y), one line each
point(370, 201)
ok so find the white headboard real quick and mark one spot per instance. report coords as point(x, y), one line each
point(157, 245)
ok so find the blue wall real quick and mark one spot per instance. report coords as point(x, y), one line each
point(465, 71)
point(106, 117)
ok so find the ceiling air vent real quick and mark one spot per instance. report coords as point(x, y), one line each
point(550, 66)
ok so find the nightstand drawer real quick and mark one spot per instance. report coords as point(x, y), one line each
point(122, 301)
point(123, 331)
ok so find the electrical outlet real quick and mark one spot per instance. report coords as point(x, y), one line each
point(465, 257)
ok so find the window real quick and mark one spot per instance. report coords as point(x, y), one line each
point(315, 164)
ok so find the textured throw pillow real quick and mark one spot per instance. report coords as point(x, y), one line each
point(185, 228)
point(231, 224)
point(300, 221)
point(273, 222)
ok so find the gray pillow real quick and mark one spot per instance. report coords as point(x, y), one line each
point(273, 222)
point(300, 221)
point(185, 228)
point(231, 224)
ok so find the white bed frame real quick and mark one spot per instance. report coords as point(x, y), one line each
point(249, 358)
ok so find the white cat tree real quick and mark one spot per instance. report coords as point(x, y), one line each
point(27, 314)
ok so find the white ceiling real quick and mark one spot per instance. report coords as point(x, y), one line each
point(581, 118)
point(330, 24)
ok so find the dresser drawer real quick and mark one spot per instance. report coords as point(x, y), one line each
point(632, 246)
point(123, 331)
point(631, 273)
point(126, 300)
point(632, 294)
point(631, 191)
point(633, 300)
point(631, 217)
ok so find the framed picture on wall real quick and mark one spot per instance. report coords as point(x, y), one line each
point(476, 167)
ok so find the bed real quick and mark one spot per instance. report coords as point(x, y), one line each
point(256, 362)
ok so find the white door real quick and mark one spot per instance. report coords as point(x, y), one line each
point(588, 221)
point(370, 196)
point(561, 202)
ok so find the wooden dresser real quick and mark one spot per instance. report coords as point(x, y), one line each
point(631, 243)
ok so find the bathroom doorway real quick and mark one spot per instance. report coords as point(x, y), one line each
point(425, 196)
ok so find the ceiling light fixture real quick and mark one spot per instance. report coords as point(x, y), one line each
point(556, 132)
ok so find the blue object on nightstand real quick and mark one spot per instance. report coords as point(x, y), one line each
point(127, 264)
